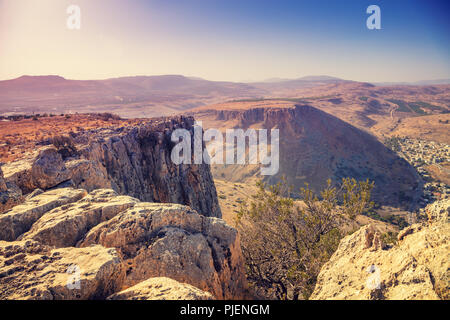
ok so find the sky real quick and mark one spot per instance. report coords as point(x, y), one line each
point(230, 40)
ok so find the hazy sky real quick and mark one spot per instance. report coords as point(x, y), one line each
point(237, 40)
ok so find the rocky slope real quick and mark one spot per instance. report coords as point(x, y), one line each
point(116, 242)
point(133, 160)
point(417, 267)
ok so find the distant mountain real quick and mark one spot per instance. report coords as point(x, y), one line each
point(137, 96)
point(29, 94)
point(150, 96)
point(306, 78)
point(278, 86)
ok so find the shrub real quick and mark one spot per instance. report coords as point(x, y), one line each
point(285, 244)
point(65, 145)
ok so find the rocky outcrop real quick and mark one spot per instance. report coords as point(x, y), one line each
point(19, 219)
point(134, 161)
point(2, 182)
point(150, 239)
point(8, 197)
point(174, 241)
point(65, 225)
point(417, 267)
point(161, 288)
point(32, 271)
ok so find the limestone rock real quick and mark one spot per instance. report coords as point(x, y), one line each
point(438, 211)
point(415, 268)
point(43, 169)
point(19, 219)
point(32, 271)
point(2, 181)
point(8, 197)
point(151, 239)
point(161, 288)
point(171, 240)
point(65, 225)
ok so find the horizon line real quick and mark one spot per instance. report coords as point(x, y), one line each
point(267, 80)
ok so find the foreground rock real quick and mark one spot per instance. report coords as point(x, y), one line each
point(146, 240)
point(2, 182)
point(65, 225)
point(171, 240)
point(19, 219)
point(30, 270)
point(161, 289)
point(134, 161)
point(415, 268)
point(8, 198)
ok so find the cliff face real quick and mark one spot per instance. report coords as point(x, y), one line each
point(116, 242)
point(417, 267)
point(132, 160)
point(316, 146)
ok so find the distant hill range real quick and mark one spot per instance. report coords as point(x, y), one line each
point(139, 96)
point(149, 96)
point(166, 93)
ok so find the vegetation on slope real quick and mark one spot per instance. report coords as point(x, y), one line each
point(286, 244)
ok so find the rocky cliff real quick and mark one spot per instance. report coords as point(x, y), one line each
point(115, 243)
point(417, 267)
point(132, 160)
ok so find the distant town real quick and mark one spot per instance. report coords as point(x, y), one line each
point(421, 154)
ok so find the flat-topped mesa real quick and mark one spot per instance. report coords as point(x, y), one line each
point(133, 160)
point(315, 146)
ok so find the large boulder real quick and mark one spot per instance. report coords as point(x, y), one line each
point(417, 267)
point(30, 270)
point(161, 288)
point(42, 169)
